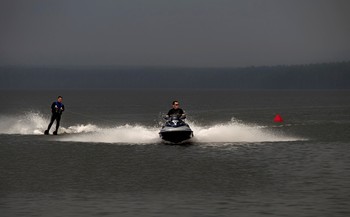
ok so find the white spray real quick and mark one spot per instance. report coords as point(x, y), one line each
point(231, 131)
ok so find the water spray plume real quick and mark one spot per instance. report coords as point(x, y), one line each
point(231, 131)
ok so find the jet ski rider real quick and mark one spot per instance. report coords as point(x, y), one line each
point(176, 111)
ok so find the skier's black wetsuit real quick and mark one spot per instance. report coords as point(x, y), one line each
point(56, 108)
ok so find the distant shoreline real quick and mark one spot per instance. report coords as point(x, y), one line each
point(311, 76)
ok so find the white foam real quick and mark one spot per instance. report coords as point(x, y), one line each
point(119, 134)
point(80, 128)
point(28, 123)
point(235, 131)
point(229, 132)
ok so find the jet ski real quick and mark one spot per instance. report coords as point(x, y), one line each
point(175, 130)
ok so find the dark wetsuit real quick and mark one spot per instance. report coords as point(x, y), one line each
point(56, 108)
point(175, 112)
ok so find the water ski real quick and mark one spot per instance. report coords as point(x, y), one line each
point(47, 132)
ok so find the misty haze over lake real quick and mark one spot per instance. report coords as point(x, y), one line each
point(181, 33)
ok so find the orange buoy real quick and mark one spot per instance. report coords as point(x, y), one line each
point(278, 118)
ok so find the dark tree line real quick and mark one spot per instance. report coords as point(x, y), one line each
point(312, 76)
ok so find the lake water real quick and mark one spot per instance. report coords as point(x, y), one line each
point(108, 159)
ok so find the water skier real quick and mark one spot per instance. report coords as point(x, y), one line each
point(56, 109)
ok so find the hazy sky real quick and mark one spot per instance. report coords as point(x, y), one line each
point(200, 33)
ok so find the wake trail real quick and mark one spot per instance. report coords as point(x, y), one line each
point(33, 123)
point(234, 131)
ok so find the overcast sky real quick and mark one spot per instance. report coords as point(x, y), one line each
point(199, 33)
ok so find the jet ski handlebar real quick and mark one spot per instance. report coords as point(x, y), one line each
point(177, 116)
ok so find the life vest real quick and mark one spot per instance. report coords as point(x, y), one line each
point(59, 105)
point(57, 108)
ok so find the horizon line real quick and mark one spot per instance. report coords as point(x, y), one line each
point(164, 66)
